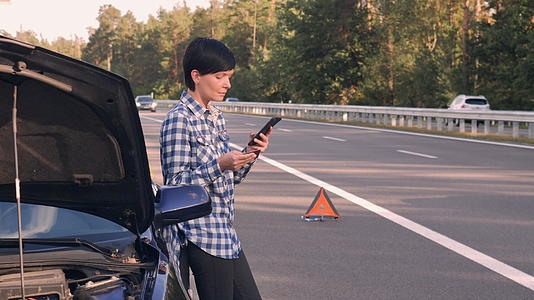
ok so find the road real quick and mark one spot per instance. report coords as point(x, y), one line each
point(422, 217)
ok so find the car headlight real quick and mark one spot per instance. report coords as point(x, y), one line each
point(137, 104)
point(154, 104)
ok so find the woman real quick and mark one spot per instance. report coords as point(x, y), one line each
point(194, 150)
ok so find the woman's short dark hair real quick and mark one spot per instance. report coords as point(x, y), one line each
point(208, 56)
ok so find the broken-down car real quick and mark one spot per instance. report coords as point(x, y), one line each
point(80, 217)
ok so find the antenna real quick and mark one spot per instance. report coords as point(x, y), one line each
point(17, 191)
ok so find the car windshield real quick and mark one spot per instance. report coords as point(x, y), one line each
point(144, 99)
point(475, 101)
point(39, 221)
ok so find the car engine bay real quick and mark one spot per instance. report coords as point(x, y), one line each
point(55, 284)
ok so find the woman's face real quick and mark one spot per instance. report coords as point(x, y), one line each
point(213, 87)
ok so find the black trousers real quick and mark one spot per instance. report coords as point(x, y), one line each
point(218, 278)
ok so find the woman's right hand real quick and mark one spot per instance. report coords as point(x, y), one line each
point(235, 160)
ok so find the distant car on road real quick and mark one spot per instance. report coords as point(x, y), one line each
point(466, 102)
point(469, 103)
point(231, 99)
point(145, 102)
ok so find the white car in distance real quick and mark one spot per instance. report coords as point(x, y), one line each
point(469, 103)
point(462, 102)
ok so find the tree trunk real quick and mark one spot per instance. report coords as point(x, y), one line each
point(465, 38)
point(110, 56)
point(478, 17)
point(391, 77)
point(370, 11)
point(269, 22)
point(175, 71)
point(255, 23)
point(213, 6)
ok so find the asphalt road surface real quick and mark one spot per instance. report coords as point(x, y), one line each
point(421, 217)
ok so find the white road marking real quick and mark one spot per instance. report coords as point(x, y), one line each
point(489, 262)
point(285, 130)
point(416, 154)
point(333, 139)
point(250, 124)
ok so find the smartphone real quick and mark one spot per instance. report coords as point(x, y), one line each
point(265, 129)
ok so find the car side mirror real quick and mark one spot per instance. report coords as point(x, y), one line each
point(181, 203)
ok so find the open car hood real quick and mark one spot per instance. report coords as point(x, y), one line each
point(79, 138)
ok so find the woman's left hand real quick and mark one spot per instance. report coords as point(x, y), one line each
point(262, 143)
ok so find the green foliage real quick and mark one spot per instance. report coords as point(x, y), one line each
point(415, 53)
point(413, 63)
point(319, 50)
point(99, 50)
point(506, 55)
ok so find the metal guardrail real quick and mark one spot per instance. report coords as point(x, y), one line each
point(166, 103)
point(514, 123)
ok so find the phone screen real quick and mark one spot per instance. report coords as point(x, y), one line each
point(265, 128)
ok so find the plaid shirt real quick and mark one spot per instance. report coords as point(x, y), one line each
point(192, 138)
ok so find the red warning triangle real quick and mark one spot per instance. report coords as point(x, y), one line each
point(321, 208)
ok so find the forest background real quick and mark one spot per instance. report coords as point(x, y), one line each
point(410, 53)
